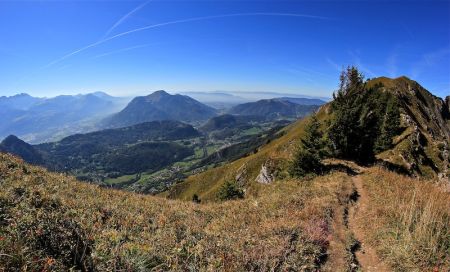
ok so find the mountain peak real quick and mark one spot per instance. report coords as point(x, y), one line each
point(390, 82)
point(157, 96)
point(161, 105)
point(160, 93)
point(11, 139)
point(22, 95)
point(101, 94)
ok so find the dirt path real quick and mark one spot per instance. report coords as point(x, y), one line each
point(365, 254)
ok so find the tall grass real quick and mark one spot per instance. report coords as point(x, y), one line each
point(409, 221)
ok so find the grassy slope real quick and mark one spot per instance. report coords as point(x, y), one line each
point(53, 222)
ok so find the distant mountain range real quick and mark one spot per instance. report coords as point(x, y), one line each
point(21, 101)
point(38, 120)
point(226, 100)
point(217, 100)
point(160, 106)
point(43, 119)
point(302, 100)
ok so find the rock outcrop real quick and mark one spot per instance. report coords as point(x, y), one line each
point(267, 173)
point(242, 175)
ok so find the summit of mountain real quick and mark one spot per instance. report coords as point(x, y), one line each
point(160, 105)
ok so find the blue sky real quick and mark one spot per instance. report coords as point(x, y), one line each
point(136, 47)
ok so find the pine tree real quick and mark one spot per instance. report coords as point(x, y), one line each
point(389, 127)
point(365, 119)
point(307, 159)
point(345, 132)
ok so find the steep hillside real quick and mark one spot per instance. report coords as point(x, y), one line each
point(424, 145)
point(273, 109)
point(160, 106)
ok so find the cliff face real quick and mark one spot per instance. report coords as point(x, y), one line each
point(423, 147)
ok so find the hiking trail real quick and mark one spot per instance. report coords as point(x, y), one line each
point(366, 256)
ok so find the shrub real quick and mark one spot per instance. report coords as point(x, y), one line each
point(196, 199)
point(230, 190)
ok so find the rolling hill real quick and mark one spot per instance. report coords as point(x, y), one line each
point(160, 106)
point(229, 121)
point(273, 109)
point(109, 153)
point(16, 146)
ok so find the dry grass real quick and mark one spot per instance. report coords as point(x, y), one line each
point(51, 222)
point(409, 221)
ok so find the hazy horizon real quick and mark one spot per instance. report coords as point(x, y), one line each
point(242, 94)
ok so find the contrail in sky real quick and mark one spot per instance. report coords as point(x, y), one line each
point(121, 20)
point(179, 22)
point(124, 50)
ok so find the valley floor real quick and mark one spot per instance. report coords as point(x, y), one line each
point(51, 222)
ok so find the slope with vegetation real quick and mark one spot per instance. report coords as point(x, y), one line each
point(53, 222)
